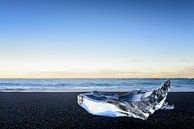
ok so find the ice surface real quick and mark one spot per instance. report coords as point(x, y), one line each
point(137, 104)
point(166, 106)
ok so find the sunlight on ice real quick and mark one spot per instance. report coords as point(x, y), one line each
point(138, 103)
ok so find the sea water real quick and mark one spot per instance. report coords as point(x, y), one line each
point(97, 84)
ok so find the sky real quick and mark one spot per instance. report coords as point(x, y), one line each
point(96, 38)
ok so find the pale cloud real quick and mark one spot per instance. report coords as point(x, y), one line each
point(136, 61)
point(186, 72)
point(184, 61)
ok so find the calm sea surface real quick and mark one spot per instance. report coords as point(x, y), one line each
point(119, 84)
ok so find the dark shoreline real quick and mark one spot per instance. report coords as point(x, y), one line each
point(59, 110)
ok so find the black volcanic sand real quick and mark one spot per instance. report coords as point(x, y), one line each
point(61, 111)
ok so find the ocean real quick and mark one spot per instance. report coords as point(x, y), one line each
point(94, 84)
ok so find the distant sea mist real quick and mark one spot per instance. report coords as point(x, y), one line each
point(103, 84)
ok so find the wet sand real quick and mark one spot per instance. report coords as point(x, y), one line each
point(19, 110)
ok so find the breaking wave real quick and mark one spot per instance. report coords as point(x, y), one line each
point(117, 84)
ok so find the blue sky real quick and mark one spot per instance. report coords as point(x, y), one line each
point(96, 38)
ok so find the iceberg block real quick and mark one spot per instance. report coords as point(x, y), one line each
point(138, 103)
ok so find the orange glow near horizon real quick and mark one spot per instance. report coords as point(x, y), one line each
point(184, 73)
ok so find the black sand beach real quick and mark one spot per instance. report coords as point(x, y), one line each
point(61, 111)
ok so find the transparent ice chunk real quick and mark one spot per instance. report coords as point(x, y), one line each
point(166, 106)
point(138, 103)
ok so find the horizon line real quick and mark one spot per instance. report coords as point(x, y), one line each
point(96, 77)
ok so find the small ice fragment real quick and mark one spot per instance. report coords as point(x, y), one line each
point(138, 104)
point(166, 106)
